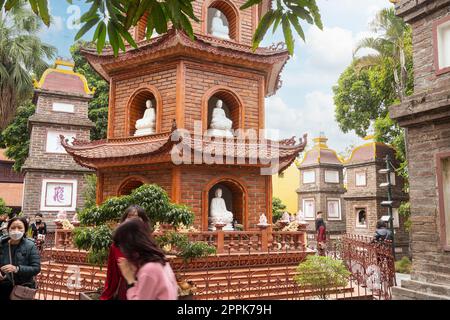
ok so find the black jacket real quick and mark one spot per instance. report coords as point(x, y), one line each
point(26, 256)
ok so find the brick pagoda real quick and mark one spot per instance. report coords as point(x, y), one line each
point(184, 78)
point(364, 194)
point(426, 118)
point(322, 187)
point(53, 180)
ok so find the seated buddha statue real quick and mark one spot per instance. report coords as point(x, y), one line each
point(219, 213)
point(218, 28)
point(146, 125)
point(220, 125)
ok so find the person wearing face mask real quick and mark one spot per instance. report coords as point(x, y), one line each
point(115, 284)
point(19, 259)
point(38, 230)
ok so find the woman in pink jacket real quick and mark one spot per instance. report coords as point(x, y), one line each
point(144, 267)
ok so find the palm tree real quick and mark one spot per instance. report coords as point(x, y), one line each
point(22, 54)
point(390, 45)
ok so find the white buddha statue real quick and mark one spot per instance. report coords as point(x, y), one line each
point(219, 213)
point(220, 124)
point(218, 28)
point(146, 125)
point(263, 220)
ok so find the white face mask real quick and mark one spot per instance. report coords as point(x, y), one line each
point(16, 235)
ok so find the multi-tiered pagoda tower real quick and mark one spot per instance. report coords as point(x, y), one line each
point(184, 79)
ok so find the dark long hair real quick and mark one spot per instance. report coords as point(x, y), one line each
point(138, 246)
point(140, 212)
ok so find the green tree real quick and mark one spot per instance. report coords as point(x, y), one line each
point(278, 209)
point(392, 46)
point(4, 210)
point(21, 54)
point(98, 106)
point(372, 83)
point(322, 274)
point(90, 190)
point(17, 136)
point(113, 19)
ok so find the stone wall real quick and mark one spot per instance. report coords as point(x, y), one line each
point(33, 187)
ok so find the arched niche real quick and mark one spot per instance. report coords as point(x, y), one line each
point(235, 195)
point(230, 17)
point(232, 105)
point(129, 184)
point(137, 105)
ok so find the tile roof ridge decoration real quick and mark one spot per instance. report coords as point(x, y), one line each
point(39, 84)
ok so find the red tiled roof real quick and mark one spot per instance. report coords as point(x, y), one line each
point(370, 152)
point(320, 156)
point(175, 42)
point(56, 81)
point(107, 152)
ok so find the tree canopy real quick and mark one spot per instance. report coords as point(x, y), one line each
point(113, 19)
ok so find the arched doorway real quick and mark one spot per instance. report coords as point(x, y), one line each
point(129, 184)
point(234, 194)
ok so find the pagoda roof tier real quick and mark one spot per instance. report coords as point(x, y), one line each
point(157, 148)
point(176, 44)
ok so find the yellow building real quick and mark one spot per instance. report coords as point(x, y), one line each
point(285, 185)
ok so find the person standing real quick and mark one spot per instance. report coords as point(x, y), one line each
point(145, 268)
point(321, 237)
point(20, 261)
point(38, 230)
point(115, 285)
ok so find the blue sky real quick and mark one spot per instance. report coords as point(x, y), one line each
point(305, 102)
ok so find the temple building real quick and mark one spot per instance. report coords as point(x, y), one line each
point(322, 188)
point(11, 183)
point(364, 194)
point(53, 181)
point(182, 115)
point(426, 118)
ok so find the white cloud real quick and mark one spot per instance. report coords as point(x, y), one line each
point(331, 48)
point(314, 116)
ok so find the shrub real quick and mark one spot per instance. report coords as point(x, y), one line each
point(403, 265)
point(322, 274)
point(278, 209)
point(4, 209)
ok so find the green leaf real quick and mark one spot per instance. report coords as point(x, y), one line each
point(43, 11)
point(262, 28)
point(113, 38)
point(87, 26)
point(288, 34)
point(249, 4)
point(10, 4)
point(101, 38)
point(297, 26)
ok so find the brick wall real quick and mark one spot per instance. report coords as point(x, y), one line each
point(45, 106)
point(246, 21)
point(194, 179)
point(321, 191)
point(113, 179)
point(39, 157)
point(33, 187)
point(423, 143)
point(200, 79)
point(163, 80)
point(423, 54)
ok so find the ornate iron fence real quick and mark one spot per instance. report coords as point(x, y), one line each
point(237, 274)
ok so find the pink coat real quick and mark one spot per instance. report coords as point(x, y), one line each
point(154, 282)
